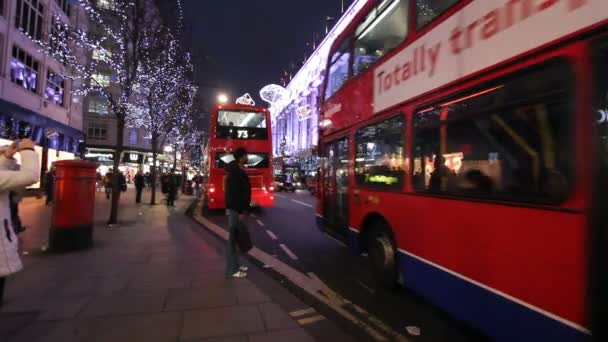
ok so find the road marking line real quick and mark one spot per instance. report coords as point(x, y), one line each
point(260, 222)
point(289, 252)
point(253, 215)
point(271, 234)
point(371, 325)
point(310, 320)
point(302, 312)
point(341, 243)
point(372, 291)
point(302, 203)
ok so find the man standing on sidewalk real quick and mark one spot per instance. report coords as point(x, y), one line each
point(139, 186)
point(238, 200)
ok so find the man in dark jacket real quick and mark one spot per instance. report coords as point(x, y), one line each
point(238, 200)
point(140, 184)
point(172, 186)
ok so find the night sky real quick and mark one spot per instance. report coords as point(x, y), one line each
point(241, 45)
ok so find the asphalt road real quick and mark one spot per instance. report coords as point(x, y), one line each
point(288, 231)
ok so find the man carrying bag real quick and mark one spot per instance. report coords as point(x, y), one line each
point(238, 199)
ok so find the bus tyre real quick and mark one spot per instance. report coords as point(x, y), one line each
point(382, 257)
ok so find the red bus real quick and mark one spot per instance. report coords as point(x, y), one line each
point(461, 143)
point(234, 126)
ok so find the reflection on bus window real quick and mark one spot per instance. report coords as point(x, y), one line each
point(601, 102)
point(511, 141)
point(380, 161)
point(339, 70)
point(383, 29)
point(427, 10)
point(241, 125)
point(254, 160)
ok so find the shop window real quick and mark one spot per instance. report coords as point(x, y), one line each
point(58, 39)
point(511, 140)
point(29, 17)
point(24, 70)
point(55, 88)
point(105, 4)
point(380, 162)
point(428, 10)
point(98, 132)
point(384, 28)
point(339, 70)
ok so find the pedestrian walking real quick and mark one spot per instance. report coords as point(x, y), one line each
point(172, 186)
point(49, 185)
point(238, 200)
point(10, 261)
point(107, 182)
point(140, 184)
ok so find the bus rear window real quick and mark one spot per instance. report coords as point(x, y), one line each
point(254, 160)
point(241, 125)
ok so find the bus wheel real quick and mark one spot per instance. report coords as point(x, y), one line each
point(382, 256)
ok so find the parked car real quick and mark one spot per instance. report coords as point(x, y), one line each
point(281, 183)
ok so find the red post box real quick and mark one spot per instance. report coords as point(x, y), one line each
point(73, 205)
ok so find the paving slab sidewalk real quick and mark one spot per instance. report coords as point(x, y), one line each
point(151, 278)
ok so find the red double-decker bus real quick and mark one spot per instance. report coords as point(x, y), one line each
point(461, 145)
point(234, 126)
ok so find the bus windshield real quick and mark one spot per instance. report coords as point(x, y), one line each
point(254, 160)
point(241, 124)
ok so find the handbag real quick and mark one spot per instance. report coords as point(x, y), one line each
point(243, 238)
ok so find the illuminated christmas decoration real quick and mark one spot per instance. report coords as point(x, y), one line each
point(304, 112)
point(272, 93)
point(245, 100)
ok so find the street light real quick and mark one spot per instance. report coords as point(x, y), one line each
point(168, 149)
point(222, 98)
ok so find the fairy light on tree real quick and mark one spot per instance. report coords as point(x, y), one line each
point(117, 41)
point(163, 91)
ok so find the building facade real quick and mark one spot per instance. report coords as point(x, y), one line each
point(35, 99)
point(295, 117)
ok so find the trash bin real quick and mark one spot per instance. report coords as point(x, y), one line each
point(73, 206)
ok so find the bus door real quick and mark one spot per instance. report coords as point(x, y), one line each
point(599, 221)
point(335, 186)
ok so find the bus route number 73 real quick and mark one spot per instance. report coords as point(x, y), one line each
point(242, 134)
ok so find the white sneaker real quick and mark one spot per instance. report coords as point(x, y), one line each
point(239, 274)
point(244, 268)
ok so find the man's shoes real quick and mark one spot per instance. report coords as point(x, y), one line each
point(20, 230)
point(244, 268)
point(239, 274)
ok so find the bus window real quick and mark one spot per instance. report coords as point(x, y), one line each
point(383, 29)
point(254, 160)
point(427, 10)
point(244, 125)
point(339, 69)
point(601, 102)
point(512, 141)
point(380, 155)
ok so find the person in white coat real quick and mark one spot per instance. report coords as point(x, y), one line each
point(10, 180)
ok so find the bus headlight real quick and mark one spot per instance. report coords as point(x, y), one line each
point(271, 188)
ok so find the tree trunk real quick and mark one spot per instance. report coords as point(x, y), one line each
point(153, 171)
point(116, 183)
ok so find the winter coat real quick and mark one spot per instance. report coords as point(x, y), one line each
point(140, 182)
point(13, 180)
point(238, 188)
